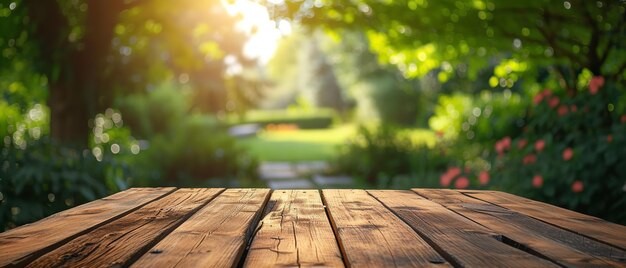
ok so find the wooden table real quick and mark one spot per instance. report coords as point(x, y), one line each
point(166, 227)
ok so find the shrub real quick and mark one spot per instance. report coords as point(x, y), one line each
point(305, 119)
point(386, 157)
point(571, 152)
point(181, 148)
point(39, 177)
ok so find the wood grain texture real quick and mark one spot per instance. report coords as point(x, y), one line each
point(25, 243)
point(215, 236)
point(372, 236)
point(559, 245)
point(586, 225)
point(118, 242)
point(466, 243)
point(295, 232)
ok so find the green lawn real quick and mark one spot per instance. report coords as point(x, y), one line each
point(315, 144)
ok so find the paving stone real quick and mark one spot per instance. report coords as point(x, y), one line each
point(290, 184)
point(332, 180)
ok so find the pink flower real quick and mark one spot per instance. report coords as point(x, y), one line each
point(577, 186)
point(454, 171)
point(448, 176)
point(595, 84)
point(507, 142)
point(499, 147)
point(529, 159)
point(623, 118)
point(503, 144)
point(483, 177)
point(444, 180)
point(562, 110)
point(521, 143)
point(461, 183)
point(546, 92)
point(573, 108)
point(554, 101)
point(539, 145)
point(609, 138)
point(537, 181)
point(467, 170)
point(568, 153)
point(538, 98)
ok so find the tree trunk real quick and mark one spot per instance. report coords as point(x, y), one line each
point(77, 91)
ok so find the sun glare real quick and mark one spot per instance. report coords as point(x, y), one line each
point(263, 32)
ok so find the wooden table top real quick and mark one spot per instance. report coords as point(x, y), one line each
point(166, 227)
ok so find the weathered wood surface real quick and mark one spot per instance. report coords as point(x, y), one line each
point(116, 243)
point(294, 232)
point(165, 227)
point(563, 247)
point(215, 236)
point(24, 243)
point(370, 235)
point(465, 242)
point(586, 225)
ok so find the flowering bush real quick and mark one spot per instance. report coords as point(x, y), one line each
point(571, 152)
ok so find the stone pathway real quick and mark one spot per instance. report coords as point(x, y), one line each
point(300, 175)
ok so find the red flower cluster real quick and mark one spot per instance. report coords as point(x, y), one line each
point(544, 94)
point(539, 145)
point(503, 144)
point(595, 84)
point(529, 159)
point(483, 177)
point(461, 183)
point(554, 101)
point(568, 153)
point(537, 181)
point(563, 110)
point(521, 143)
point(448, 176)
point(577, 186)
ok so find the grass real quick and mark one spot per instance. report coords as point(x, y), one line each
point(298, 145)
point(312, 144)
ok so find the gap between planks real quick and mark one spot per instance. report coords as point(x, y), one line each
point(585, 225)
point(559, 245)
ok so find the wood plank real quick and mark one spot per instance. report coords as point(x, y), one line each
point(559, 245)
point(465, 243)
point(372, 236)
point(586, 225)
point(295, 232)
point(26, 242)
point(215, 236)
point(119, 242)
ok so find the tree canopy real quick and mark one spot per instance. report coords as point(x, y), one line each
point(421, 35)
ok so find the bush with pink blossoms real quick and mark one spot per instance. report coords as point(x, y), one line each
point(578, 157)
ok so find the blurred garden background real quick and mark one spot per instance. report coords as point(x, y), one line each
point(525, 97)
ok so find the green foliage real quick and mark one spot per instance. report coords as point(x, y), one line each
point(303, 118)
point(158, 111)
point(194, 153)
point(182, 147)
point(480, 118)
point(571, 151)
point(44, 178)
point(386, 156)
point(418, 36)
point(39, 177)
